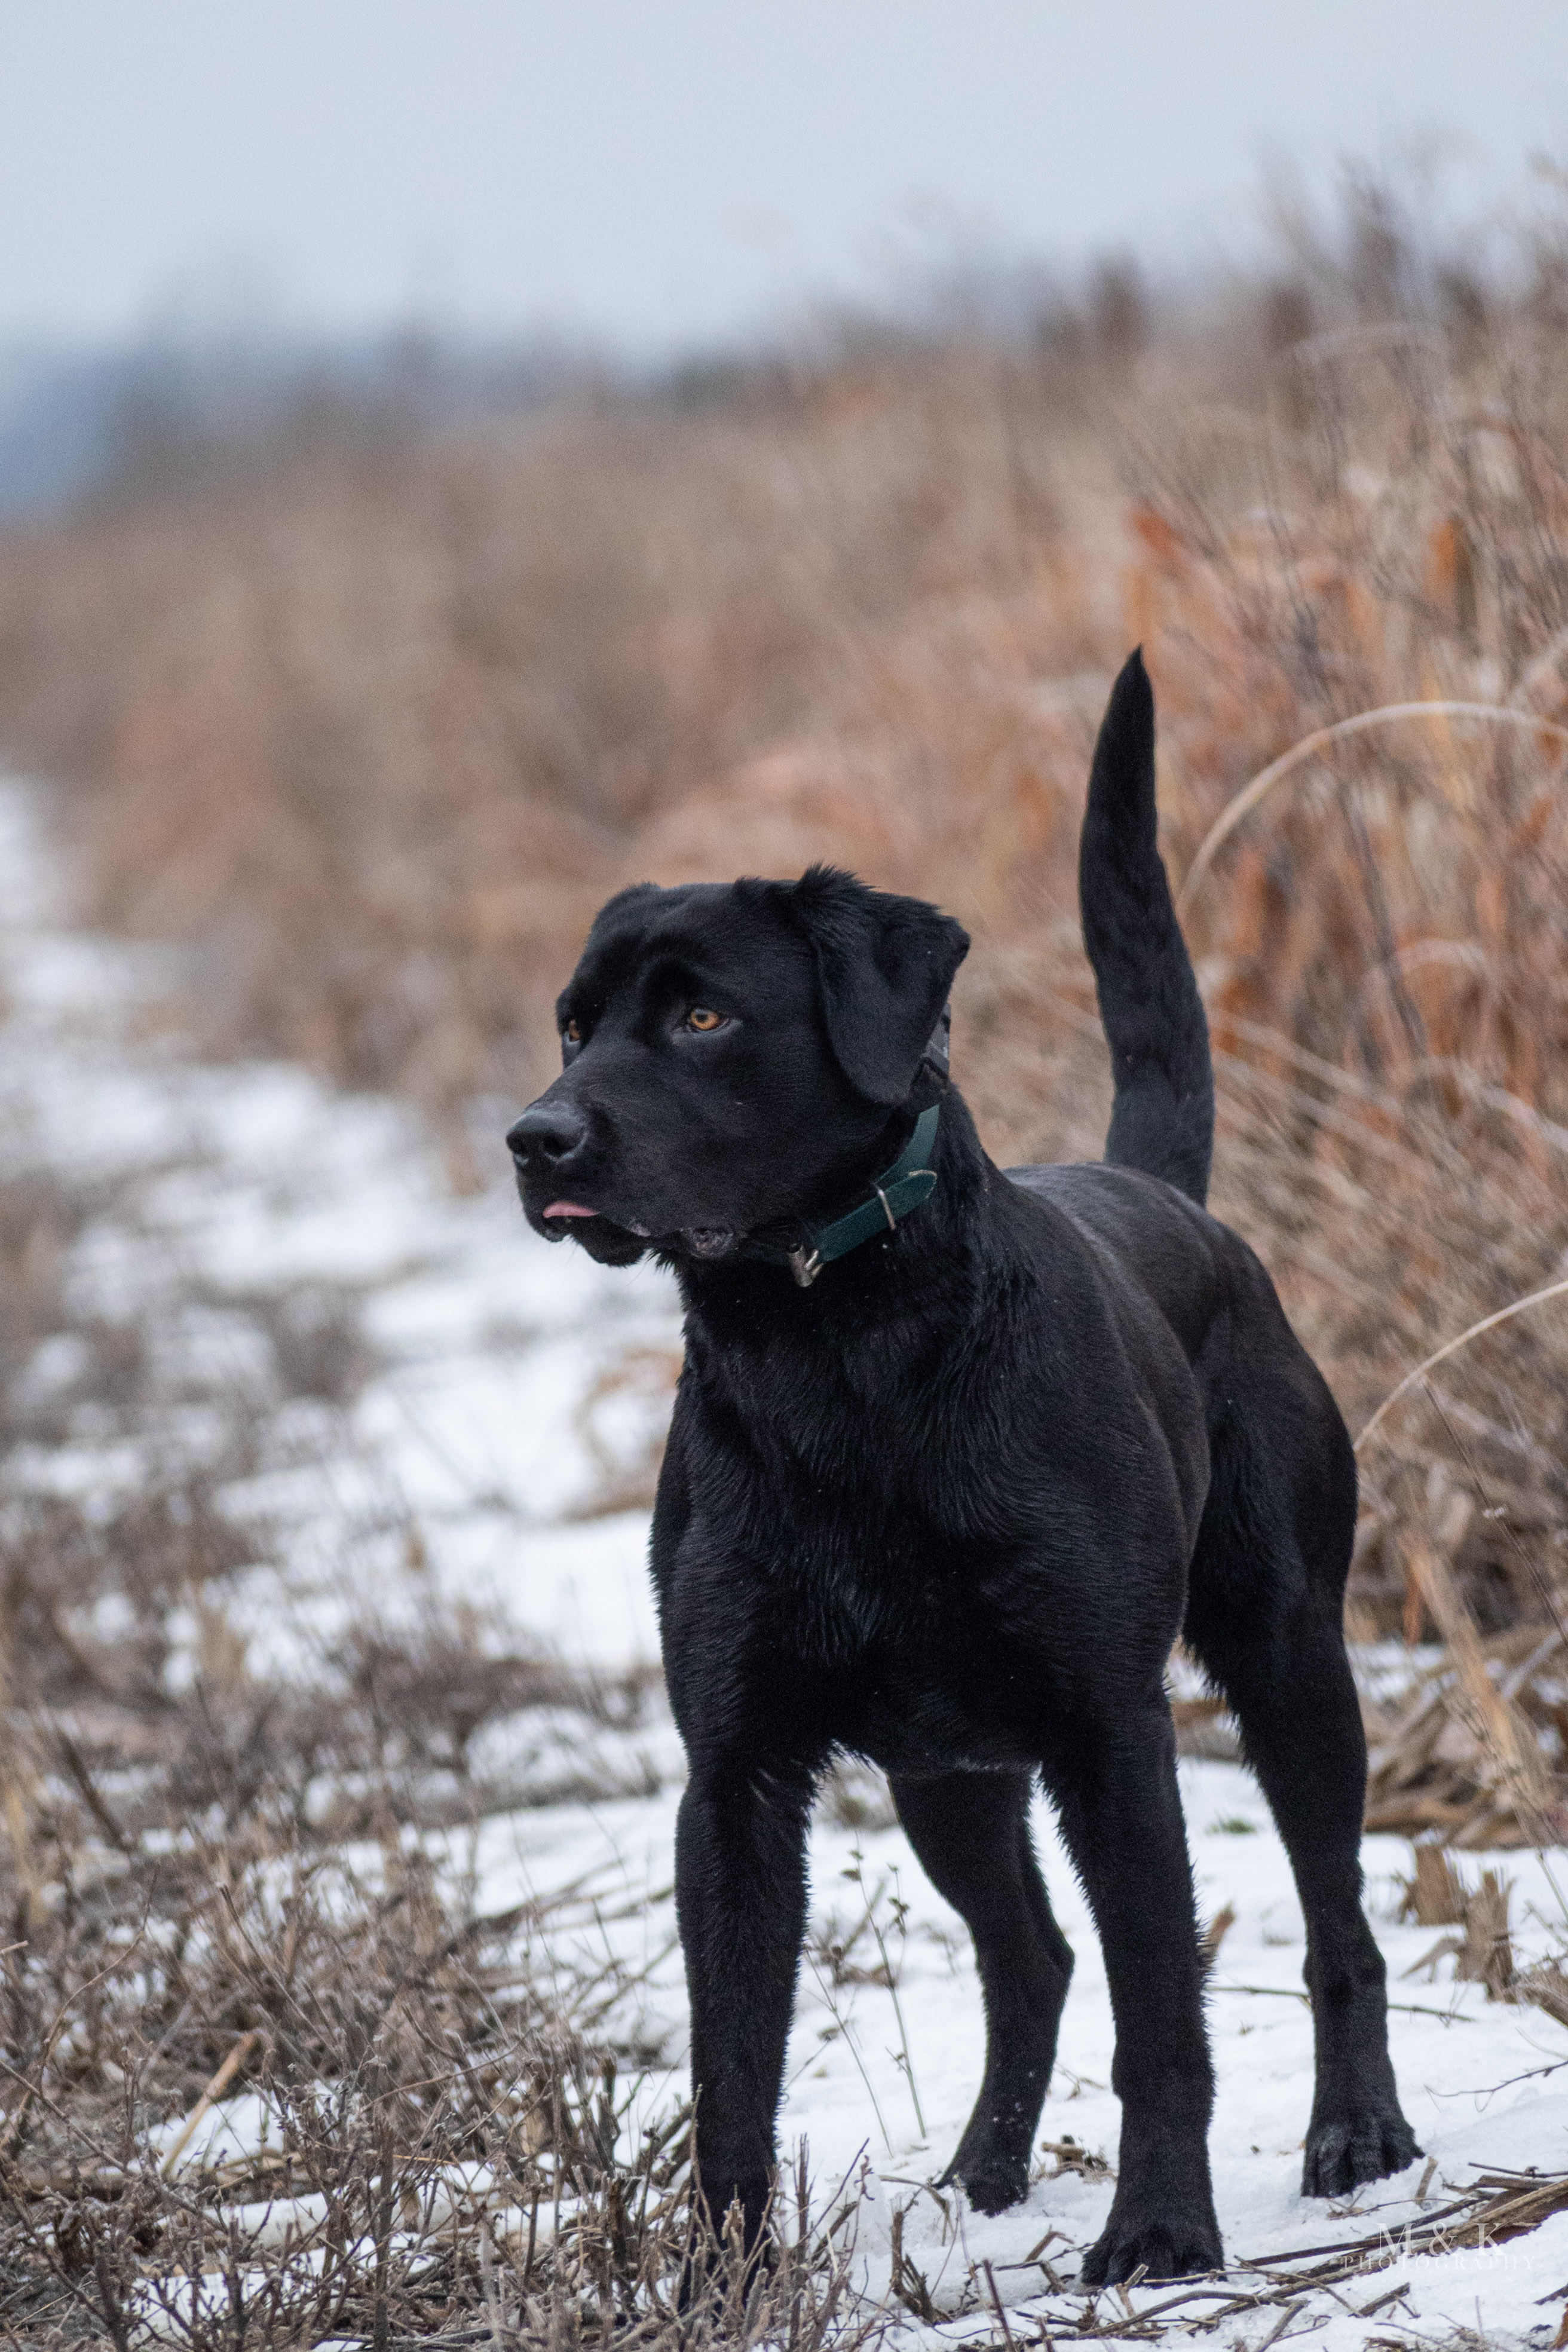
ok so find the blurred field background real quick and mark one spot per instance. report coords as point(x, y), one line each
point(371, 712)
point(453, 462)
point(357, 689)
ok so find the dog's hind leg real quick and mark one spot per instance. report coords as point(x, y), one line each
point(1113, 1777)
point(1266, 1598)
point(970, 1834)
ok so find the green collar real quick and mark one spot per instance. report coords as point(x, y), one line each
point(909, 1180)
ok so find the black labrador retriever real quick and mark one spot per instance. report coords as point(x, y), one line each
point(957, 1453)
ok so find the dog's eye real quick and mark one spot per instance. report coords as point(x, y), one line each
point(571, 1034)
point(699, 1018)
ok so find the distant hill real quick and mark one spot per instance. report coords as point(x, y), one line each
point(72, 420)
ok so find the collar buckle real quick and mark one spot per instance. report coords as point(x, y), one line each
point(899, 1189)
point(806, 1264)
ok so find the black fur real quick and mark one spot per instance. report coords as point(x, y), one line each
point(950, 1507)
point(1162, 1121)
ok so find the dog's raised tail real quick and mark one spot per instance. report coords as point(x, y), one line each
point(1163, 1119)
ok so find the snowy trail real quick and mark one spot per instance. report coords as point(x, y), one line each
point(509, 1381)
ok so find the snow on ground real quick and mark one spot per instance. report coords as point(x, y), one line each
point(479, 1425)
point(511, 1383)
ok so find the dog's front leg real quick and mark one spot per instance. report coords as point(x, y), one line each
point(1115, 1785)
point(740, 1885)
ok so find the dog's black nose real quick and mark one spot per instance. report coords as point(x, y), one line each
point(549, 1132)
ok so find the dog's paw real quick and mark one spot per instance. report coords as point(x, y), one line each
point(992, 2164)
point(992, 2182)
point(1344, 2150)
point(1168, 2243)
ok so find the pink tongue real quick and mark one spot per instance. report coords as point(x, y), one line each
point(568, 1209)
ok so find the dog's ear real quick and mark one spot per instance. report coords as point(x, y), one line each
point(885, 967)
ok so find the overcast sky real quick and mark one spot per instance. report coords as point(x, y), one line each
point(657, 172)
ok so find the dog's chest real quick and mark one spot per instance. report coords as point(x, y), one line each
point(915, 1651)
point(842, 1589)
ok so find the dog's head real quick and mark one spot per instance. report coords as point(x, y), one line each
point(733, 1053)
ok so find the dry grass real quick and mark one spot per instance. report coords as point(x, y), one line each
point(446, 2154)
point(223, 1882)
point(380, 734)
